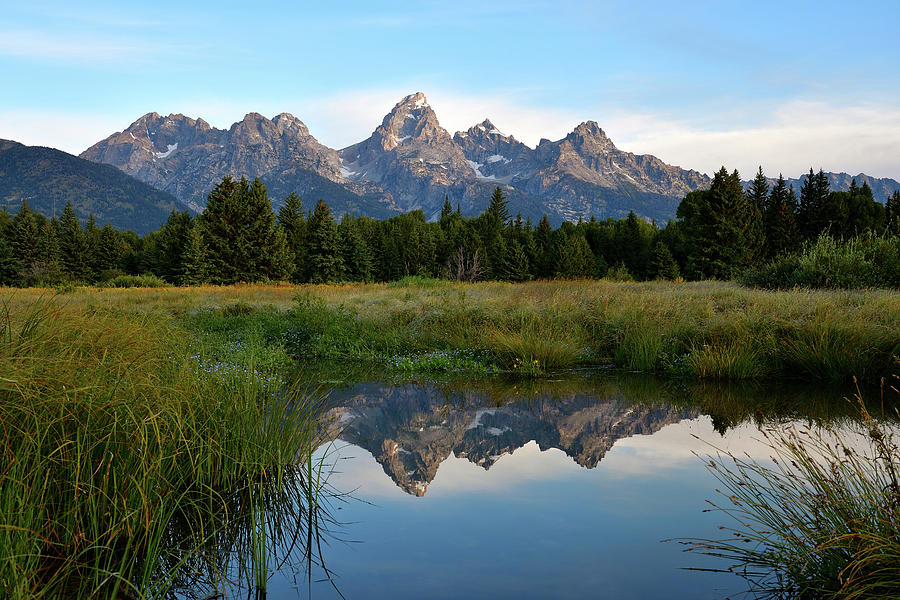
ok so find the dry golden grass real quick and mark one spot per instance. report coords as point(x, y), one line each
point(644, 326)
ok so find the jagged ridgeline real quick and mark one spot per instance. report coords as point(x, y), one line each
point(47, 179)
point(409, 162)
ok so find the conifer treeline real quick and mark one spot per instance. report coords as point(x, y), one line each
point(719, 232)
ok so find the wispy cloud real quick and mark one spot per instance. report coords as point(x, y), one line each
point(790, 139)
point(81, 48)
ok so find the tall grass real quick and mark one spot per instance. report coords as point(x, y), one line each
point(821, 521)
point(123, 455)
point(696, 330)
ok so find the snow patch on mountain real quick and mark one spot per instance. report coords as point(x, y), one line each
point(171, 148)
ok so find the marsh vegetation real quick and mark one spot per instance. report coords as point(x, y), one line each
point(147, 433)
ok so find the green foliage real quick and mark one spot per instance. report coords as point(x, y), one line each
point(324, 256)
point(865, 261)
point(722, 228)
point(575, 259)
point(119, 482)
point(73, 247)
point(663, 265)
point(51, 178)
point(195, 266)
point(293, 223)
point(779, 217)
point(892, 213)
point(816, 211)
point(239, 232)
point(9, 264)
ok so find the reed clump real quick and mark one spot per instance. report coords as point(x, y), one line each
point(122, 451)
point(821, 520)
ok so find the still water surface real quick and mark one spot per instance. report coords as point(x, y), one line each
point(563, 489)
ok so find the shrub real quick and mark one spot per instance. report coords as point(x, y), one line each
point(868, 260)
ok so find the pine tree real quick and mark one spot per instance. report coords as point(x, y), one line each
point(109, 250)
point(242, 241)
point(721, 225)
point(782, 235)
point(171, 243)
point(73, 246)
point(758, 200)
point(324, 259)
point(814, 212)
point(47, 268)
point(10, 265)
point(446, 210)
point(663, 264)
point(92, 241)
point(498, 207)
point(516, 266)
point(357, 255)
point(633, 245)
point(293, 223)
point(545, 261)
point(892, 213)
point(758, 194)
point(575, 258)
point(196, 269)
point(25, 235)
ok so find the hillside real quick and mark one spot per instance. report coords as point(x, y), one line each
point(48, 178)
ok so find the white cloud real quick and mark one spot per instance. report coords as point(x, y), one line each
point(791, 139)
point(70, 132)
point(81, 49)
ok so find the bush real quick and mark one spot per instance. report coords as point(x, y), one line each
point(865, 261)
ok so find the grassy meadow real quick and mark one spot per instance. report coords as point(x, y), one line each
point(143, 429)
point(705, 330)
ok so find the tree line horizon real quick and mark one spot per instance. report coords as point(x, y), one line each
point(718, 233)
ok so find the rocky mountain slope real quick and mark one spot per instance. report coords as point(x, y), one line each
point(417, 160)
point(411, 162)
point(580, 175)
point(188, 157)
point(48, 178)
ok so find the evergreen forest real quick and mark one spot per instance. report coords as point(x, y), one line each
point(724, 232)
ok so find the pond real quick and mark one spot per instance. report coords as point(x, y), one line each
point(535, 489)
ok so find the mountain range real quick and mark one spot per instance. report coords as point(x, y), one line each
point(409, 162)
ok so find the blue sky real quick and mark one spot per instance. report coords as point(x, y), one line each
point(787, 85)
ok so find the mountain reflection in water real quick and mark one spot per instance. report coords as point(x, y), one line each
point(412, 429)
point(538, 489)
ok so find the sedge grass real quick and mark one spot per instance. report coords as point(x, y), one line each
point(822, 520)
point(112, 433)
